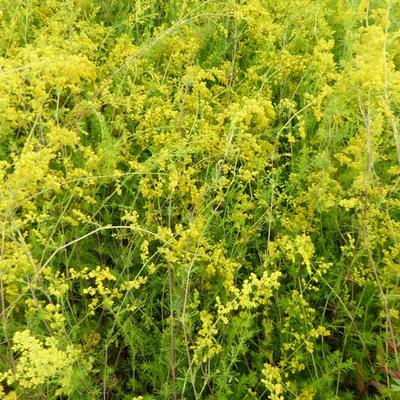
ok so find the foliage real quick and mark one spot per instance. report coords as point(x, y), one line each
point(199, 199)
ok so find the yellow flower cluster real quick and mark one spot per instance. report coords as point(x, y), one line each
point(206, 345)
point(41, 362)
point(272, 380)
point(253, 293)
point(103, 289)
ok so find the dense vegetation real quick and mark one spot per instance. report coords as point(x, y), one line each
point(199, 199)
